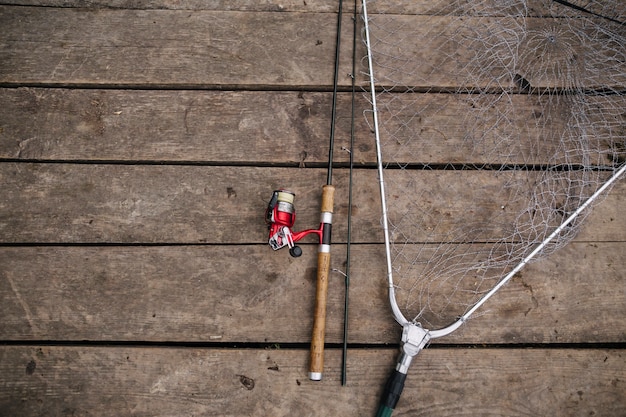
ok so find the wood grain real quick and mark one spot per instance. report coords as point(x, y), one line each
point(130, 204)
point(174, 48)
point(441, 382)
point(217, 127)
point(327, 6)
point(474, 54)
point(248, 294)
point(536, 8)
point(147, 204)
point(139, 144)
point(130, 48)
point(253, 127)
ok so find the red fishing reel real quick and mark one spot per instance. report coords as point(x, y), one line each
point(280, 215)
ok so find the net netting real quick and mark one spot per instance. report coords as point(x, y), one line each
point(497, 120)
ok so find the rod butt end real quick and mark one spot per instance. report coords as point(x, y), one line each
point(315, 376)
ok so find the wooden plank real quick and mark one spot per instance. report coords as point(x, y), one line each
point(148, 204)
point(606, 216)
point(248, 127)
point(460, 7)
point(217, 5)
point(422, 53)
point(86, 203)
point(223, 294)
point(202, 50)
point(609, 10)
point(493, 8)
point(575, 270)
point(170, 48)
point(240, 294)
point(442, 382)
point(243, 127)
point(501, 129)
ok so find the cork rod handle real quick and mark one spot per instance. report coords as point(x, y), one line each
point(323, 269)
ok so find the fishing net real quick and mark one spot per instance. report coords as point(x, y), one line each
point(498, 124)
point(497, 120)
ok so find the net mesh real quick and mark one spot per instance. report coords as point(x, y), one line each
point(497, 120)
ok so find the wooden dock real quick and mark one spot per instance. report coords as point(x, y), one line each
point(140, 142)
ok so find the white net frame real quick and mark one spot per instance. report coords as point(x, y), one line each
point(537, 93)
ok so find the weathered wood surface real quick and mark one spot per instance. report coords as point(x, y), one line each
point(135, 216)
point(174, 49)
point(217, 127)
point(210, 49)
point(115, 381)
point(243, 293)
point(217, 5)
point(130, 204)
point(537, 8)
point(475, 53)
point(279, 127)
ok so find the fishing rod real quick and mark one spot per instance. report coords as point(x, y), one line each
point(281, 216)
point(344, 356)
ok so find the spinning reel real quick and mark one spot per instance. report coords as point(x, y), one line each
point(280, 215)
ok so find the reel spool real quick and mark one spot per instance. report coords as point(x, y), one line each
point(280, 215)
